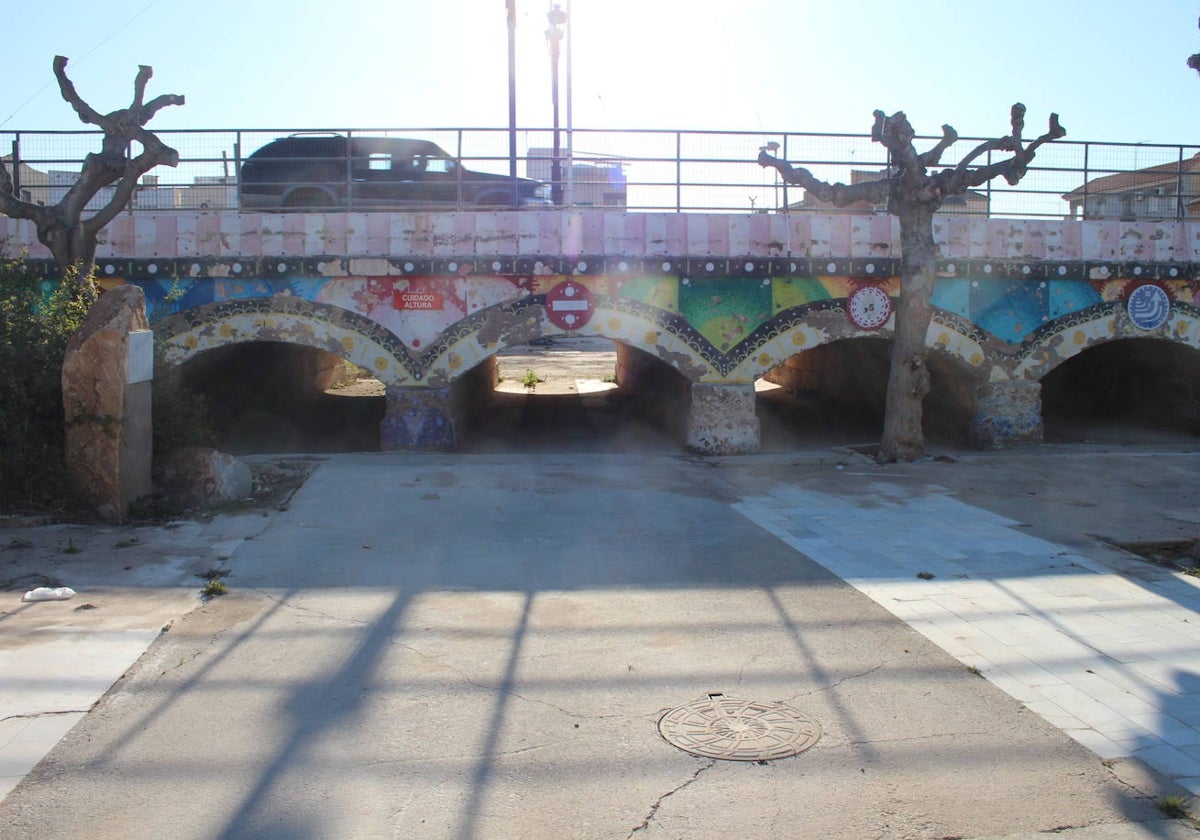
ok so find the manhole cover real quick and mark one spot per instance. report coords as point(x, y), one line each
point(738, 730)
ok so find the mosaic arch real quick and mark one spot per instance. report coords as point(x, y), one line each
point(350, 336)
point(427, 330)
point(1109, 322)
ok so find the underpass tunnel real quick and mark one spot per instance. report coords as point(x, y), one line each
point(571, 394)
point(270, 397)
point(1123, 389)
point(836, 394)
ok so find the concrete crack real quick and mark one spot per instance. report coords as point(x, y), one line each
point(288, 605)
point(839, 681)
point(658, 802)
point(930, 737)
point(34, 715)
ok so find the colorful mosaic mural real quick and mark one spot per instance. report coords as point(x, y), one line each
point(723, 321)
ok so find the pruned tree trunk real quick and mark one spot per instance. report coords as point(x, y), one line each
point(913, 196)
point(62, 228)
point(908, 375)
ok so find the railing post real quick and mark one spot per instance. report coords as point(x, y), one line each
point(1179, 202)
point(1087, 148)
point(349, 171)
point(786, 204)
point(678, 171)
point(16, 164)
point(458, 182)
point(237, 165)
point(989, 188)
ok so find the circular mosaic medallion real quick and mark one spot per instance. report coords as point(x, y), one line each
point(869, 307)
point(738, 730)
point(1148, 306)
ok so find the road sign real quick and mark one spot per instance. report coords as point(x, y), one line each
point(1148, 307)
point(569, 305)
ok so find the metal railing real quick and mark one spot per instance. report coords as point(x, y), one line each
point(656, 170)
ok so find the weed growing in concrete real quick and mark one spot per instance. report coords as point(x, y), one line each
point(71, 548)
point(974, 669)
point(531, 379)
point(18, 543)
point(129, 543)
point(926, 575)
point(1173, 806)
point(215, 587)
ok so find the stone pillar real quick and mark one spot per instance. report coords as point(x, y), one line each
point(106, 382)
point(1007, 413)
point(419, 418)
point(722, 420)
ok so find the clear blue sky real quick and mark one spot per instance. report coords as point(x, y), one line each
point(1114, 69)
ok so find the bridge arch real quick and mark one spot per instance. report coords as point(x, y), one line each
point(489, 332)
point(808, 327)
point(286, 320)
point(1065, 339)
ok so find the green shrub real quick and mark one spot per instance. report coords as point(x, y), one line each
point(37, 318)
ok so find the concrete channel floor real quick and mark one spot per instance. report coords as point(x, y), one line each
point(481, 647)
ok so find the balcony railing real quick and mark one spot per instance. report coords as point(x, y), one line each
point(659, 170)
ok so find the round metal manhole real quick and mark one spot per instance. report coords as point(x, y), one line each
point(717, 726)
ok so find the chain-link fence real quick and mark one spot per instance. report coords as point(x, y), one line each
point(672, 171)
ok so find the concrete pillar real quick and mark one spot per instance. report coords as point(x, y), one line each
point(1007, 413)
point(419, 418)
point(722, 420)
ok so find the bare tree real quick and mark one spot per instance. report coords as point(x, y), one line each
point(913, 195)
point(61, 227)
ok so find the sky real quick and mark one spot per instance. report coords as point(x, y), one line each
point(1113, 69)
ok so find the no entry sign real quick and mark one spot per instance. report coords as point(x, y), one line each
point(569, 305)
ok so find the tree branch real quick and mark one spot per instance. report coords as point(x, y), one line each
point(139, 86)
point(839, 195)
point(158, 103)
point(85, 111)
point(963, 177)
point(896, 134)
point(934, 155)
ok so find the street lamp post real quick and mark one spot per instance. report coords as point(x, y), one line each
point(554, 34)
point(511, 6)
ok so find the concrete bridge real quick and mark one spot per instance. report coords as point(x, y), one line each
point(700, 306)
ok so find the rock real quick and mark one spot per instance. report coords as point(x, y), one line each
point(199, 477)
point(106, 403)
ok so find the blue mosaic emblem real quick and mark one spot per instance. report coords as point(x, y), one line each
point(1148, 307)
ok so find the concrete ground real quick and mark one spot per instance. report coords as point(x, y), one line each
point(482, 646)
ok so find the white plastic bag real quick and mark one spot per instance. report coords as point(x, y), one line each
point(45, 593)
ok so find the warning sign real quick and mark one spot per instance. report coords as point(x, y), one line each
point(569, 305)
point(417, 300)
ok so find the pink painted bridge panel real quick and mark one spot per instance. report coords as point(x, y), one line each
point(607, 233)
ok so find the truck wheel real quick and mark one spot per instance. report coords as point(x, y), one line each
point(493, 201)
point(309, 200)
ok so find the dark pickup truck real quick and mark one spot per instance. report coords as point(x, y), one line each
point(333, 172)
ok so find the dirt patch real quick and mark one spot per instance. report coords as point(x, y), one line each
point(276, 481)
point(1180, 555)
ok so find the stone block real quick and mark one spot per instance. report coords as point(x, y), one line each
point(419, 419)
point(107, 413)
point(1007, 413)
point(723, 420)
point(200, 476)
